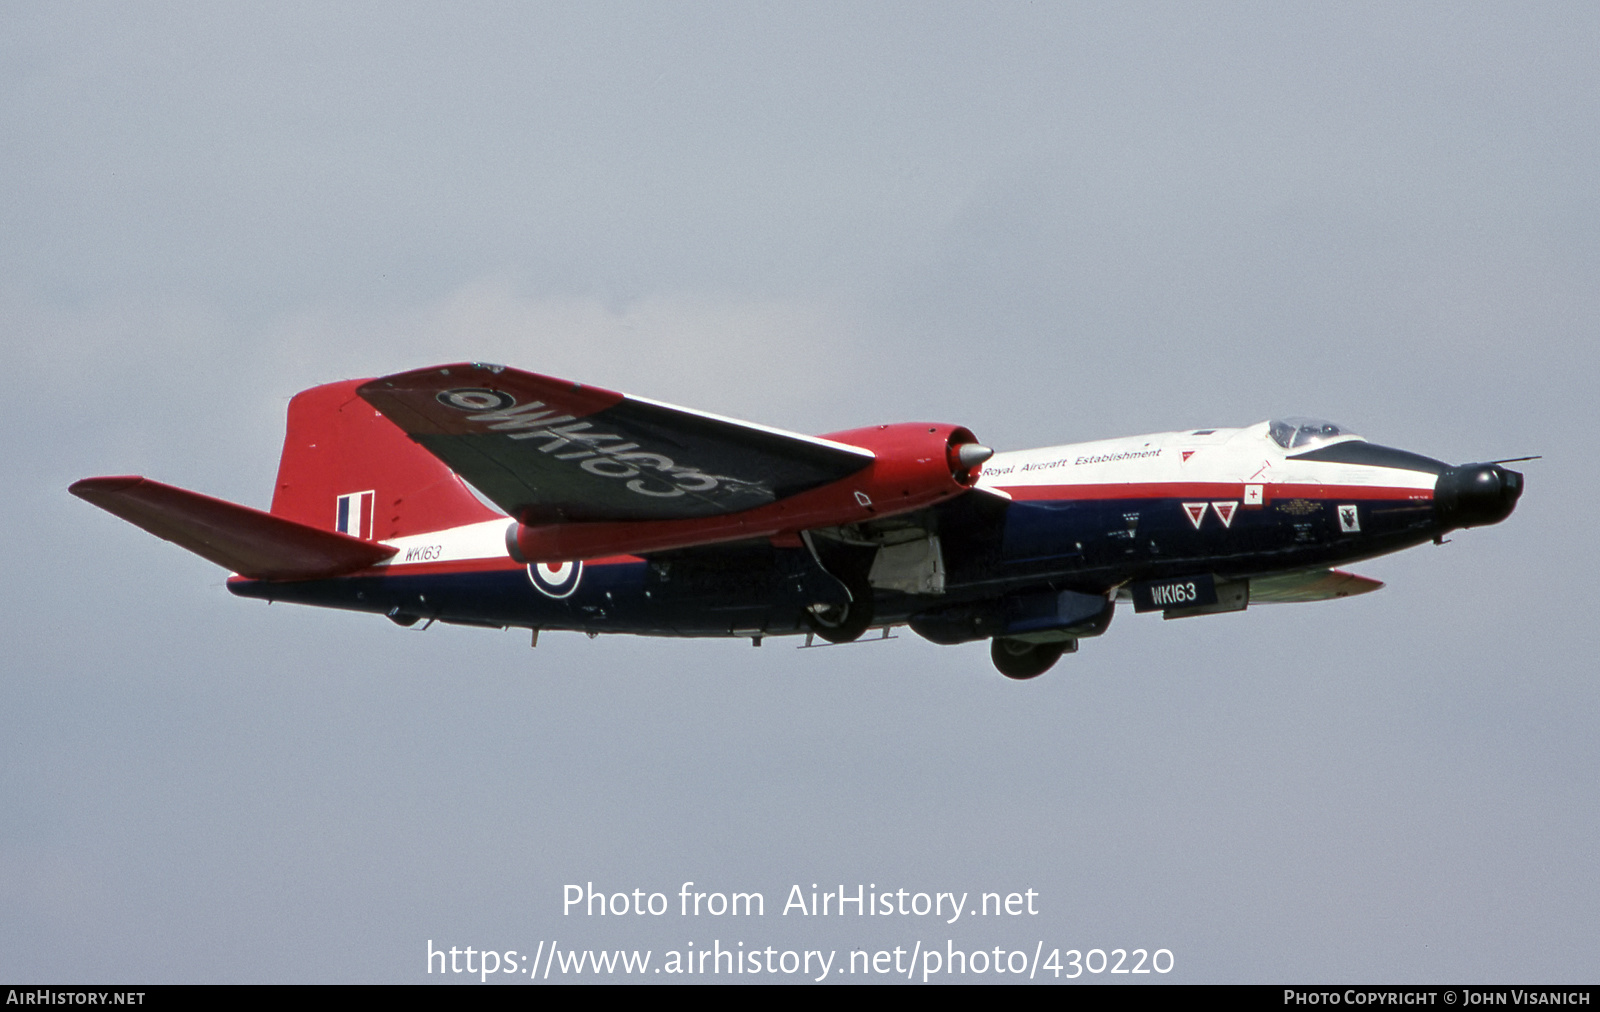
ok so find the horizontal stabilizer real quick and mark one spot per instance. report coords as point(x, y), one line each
point(244, 540)
point(1311, 585)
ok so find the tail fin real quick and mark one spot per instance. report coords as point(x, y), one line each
point(346, 468)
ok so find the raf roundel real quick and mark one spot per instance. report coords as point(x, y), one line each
point(555, 579)
point(476, 399)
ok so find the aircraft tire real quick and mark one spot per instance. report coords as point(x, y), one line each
point(843, 623)
point(1019, 660)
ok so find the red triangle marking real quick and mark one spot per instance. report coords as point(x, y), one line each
point(1186, 455)
point(1196, 511)
point(1225, 511)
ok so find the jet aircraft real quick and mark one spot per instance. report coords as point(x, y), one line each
point(482, 495)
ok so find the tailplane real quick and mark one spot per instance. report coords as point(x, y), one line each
point(238, 538)
point(348, 480)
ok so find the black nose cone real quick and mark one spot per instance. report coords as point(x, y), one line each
point(1473, 495)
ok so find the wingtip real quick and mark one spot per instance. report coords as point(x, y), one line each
point(85, 487)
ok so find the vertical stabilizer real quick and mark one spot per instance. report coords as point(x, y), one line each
point(346, 468)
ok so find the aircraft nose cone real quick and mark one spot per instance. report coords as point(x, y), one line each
point(1473, 495)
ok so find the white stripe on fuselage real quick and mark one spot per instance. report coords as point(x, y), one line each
point(1240, 456)
point(486, 540)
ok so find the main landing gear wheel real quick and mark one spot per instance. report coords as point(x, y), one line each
point(841, 623)
point(843, 567)
point(1019, 660)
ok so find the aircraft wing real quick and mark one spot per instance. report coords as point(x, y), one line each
point(1310, 585)
point(549, 451)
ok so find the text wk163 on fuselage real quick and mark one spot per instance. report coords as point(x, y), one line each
point(617, 514)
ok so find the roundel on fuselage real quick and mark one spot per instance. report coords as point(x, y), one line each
point(555, 579)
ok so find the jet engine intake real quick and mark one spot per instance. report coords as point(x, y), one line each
point(916, 454)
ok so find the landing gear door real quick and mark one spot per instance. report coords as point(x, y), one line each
point(911, 567)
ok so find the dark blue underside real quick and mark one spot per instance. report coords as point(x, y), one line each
point(991, 549)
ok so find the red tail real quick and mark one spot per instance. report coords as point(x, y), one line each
point(347, 468)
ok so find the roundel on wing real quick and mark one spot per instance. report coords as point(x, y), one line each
point(475, 399)
point(555, 579)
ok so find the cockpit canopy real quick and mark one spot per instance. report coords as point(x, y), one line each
point(1296, 433)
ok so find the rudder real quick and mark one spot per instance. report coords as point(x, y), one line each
point(346, 468)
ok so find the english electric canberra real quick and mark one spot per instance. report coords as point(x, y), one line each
point(617, 514)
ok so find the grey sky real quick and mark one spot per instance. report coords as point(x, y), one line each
point(1049, 223)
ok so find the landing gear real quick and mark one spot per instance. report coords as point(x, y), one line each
point(843, 623)
point(846, 567)
point(1018, 659)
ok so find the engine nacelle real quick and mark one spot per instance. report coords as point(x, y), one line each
point(915, 464)
point(914, 458)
